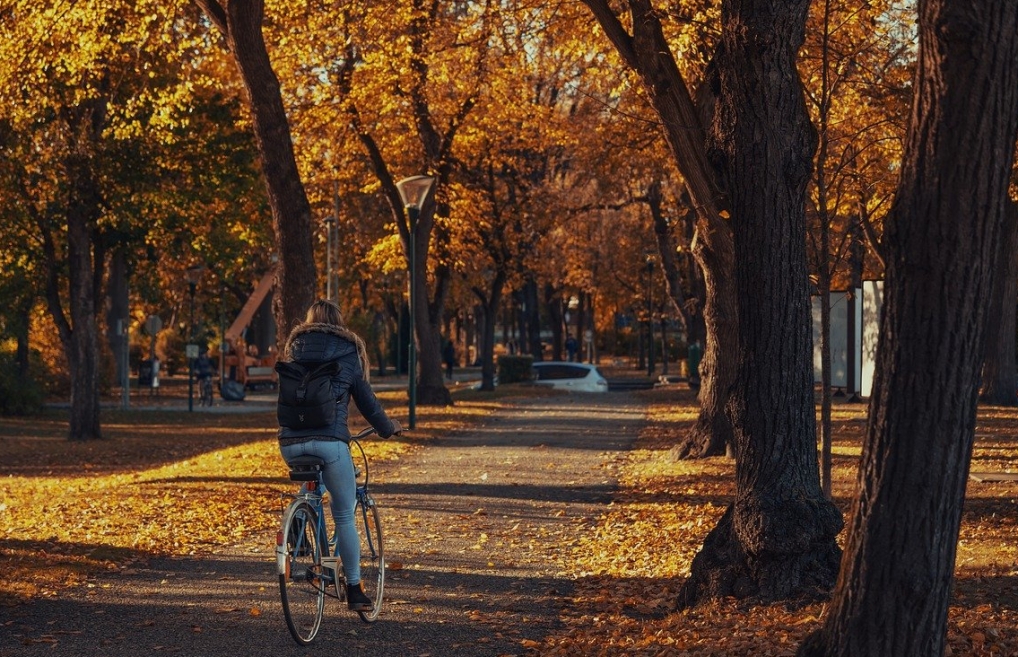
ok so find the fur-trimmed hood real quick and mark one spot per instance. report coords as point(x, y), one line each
point(341, 331)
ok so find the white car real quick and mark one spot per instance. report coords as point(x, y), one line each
point(580, 377)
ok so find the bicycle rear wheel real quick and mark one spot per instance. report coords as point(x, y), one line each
point(372, 557)
point(301, 582)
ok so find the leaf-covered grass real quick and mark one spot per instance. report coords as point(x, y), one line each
point(158, 483)
point(632, 561)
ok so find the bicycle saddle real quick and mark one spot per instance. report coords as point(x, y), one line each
point(305, 468)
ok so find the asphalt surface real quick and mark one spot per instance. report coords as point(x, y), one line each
point(479, 528)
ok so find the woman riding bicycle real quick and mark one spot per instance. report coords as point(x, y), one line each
point(321, 338)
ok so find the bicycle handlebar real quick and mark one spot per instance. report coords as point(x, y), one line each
point(363, 433)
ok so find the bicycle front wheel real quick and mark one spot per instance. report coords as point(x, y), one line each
point(372, 557)
point(301, 578)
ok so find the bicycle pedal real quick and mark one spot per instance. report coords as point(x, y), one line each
point(330, 562)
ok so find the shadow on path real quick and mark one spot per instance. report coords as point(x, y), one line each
point(478, 526)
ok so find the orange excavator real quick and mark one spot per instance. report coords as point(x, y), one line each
point(242, 362)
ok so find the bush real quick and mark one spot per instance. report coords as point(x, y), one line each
point(170, 351)
point(512, 369)
point(19, 395)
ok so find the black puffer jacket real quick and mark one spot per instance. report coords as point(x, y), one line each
point(316, 343)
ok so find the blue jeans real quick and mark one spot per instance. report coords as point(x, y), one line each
point(338, 475)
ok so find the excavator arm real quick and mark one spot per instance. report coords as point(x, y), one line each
point(249, 369)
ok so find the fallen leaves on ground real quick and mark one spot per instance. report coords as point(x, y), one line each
point(160, 483)
point(179, 484)
point(631, 562)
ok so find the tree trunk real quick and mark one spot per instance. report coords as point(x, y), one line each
point(83, 347)
point(647, 52)
point(999, 377)
point(666, 251)
point(240, 21)
point(553, 302)
point(489, 306)
point(713, 433)
point(431, 390)
point(532, 312)
point(941, 240)
point(777, 540)
point(79, 335)
point(118, 310)
point(18, 324)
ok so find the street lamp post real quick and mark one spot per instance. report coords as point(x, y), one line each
point(330, 222)
point(413, 191)
point(650, 315)
point(193, 275)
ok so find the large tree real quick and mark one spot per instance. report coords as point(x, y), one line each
point(240, 23)
point(941, 241)
point(854, 66)
point(647, 52)
point(999, 378)
point(83, 127)
point(409, 81)
point(777, 540)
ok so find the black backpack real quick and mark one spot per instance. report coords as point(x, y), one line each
point(306, 400)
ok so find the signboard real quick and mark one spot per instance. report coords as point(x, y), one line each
point(838, 340)
point(191, 351)
point(153, 325)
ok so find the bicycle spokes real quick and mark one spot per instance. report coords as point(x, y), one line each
point(301, 579)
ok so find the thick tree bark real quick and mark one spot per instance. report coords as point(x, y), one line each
point(647, 52)
point(532, 317)
point(941, 239)
point(489, 302)
point(82, 346)
point(240, 22)
point(713, 433)
point(999, 377)
point(118, 310)
point(79, 334)
point(777, 541)
point(431, 390)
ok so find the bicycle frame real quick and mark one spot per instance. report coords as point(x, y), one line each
point(311, 492)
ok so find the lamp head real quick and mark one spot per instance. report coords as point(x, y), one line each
point(193, 274)
point(414, 190)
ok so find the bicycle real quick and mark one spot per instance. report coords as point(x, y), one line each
point(308, 566)
point(205, 391)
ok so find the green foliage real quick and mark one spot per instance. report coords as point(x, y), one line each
point(19, 395)
point(170, 350)
point(513, 369)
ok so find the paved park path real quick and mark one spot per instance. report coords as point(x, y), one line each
point(478, 527)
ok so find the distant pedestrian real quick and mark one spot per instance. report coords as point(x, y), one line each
point(449, 356)
point(572, 346)
point(154, 389)
point(203, 366)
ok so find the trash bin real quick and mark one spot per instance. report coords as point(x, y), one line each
point(145, 374)
point(232, 390)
